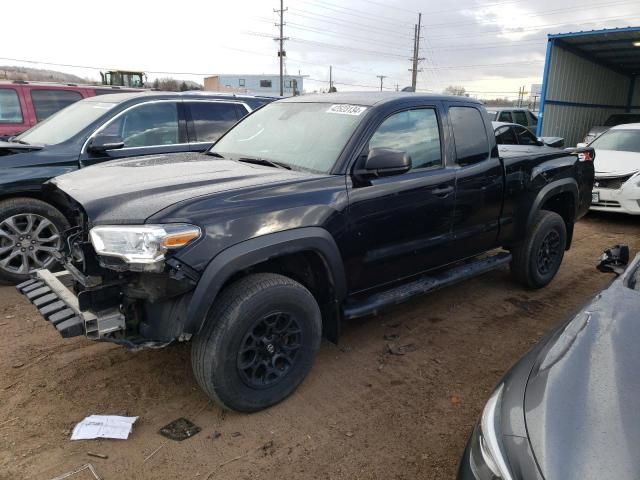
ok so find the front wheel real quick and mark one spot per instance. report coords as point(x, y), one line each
point(258, 343)
point(537, 260)
point(30, 233)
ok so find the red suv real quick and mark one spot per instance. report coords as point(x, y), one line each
point(23, 104)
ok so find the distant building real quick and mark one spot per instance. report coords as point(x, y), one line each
point(255, 84)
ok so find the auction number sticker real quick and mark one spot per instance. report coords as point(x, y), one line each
point(346, 109)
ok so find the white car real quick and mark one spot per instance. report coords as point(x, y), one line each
point(617, 166)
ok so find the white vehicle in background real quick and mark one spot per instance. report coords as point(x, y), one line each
point(617, 170)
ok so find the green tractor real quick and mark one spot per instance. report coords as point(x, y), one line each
point(122, 78)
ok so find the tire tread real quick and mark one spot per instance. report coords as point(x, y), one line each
point(222, 312)
point(521, 255)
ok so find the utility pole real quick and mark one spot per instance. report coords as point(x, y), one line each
point(381, 77)
point(416, 53)
point(330, 78)
point(281, 39)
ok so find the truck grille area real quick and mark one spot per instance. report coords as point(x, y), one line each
point(606, 203)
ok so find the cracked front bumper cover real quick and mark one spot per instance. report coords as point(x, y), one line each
point(59, 305)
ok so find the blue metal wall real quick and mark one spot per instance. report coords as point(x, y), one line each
point(579, 93)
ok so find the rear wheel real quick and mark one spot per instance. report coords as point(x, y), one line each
point(258, 343)
point(537, 260)
point(30, 232)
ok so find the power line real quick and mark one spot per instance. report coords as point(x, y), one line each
point(541, 42)
point(456, 67)
point(378, 53)
point(344, 23)
point(356, 13)
point(332, 45)
point(348, 84)
point(386, 5)
point(479, 7)
point(538, 27)
point(333, 33)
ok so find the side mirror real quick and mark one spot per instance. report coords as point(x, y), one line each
point(385, 162)
point(103, 143)
point(614, 259)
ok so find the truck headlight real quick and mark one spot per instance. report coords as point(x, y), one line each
point(487, 459)
point(143, 245)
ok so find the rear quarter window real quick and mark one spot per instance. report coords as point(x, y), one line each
point(48, 102)
point(505, 117)
point(469, 134)
point(10, 110)
point(520, 118)
point(212, 119)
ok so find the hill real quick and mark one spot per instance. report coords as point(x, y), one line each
point(39, 75)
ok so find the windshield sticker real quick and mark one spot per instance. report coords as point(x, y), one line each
point(347, 109)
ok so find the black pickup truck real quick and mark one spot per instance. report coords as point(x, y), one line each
point(310, 211)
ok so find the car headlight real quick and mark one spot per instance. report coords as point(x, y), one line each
point(142, 245)
point(486, 454)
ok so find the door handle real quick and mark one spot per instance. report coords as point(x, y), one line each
point(442, 191)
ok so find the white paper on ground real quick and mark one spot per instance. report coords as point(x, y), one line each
point(103, 426)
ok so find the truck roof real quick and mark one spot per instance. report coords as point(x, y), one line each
point(510, 109)
point(372, 98)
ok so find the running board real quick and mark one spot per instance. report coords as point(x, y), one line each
point(372, 304)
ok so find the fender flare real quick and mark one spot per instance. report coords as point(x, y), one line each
point(257, 250)
point(550, 190)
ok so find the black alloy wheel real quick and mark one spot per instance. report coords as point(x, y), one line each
point(269, 350)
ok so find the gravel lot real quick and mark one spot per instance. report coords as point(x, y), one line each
point(362, 414)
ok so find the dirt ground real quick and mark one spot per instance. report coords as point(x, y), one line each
point(363, 413)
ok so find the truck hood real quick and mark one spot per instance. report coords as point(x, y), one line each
point(131, 190)
point(582, 397)
point(613, 163)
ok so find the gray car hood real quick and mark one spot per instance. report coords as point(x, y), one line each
point(583, 396)
point(131, 190)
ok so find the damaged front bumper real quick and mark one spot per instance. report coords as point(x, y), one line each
point(57, 303)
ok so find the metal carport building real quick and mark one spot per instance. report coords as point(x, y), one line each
point(587, 77)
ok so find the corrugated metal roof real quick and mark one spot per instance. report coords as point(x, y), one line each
point(614, 48)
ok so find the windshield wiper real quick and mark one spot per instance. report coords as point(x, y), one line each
point(214, 154)
point(15, 140)
point(264, 161)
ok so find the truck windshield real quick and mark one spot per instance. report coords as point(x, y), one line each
point(305, 136)
point(619, 140)
point(63, 125)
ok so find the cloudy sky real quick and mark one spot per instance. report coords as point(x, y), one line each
point(490, 47)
